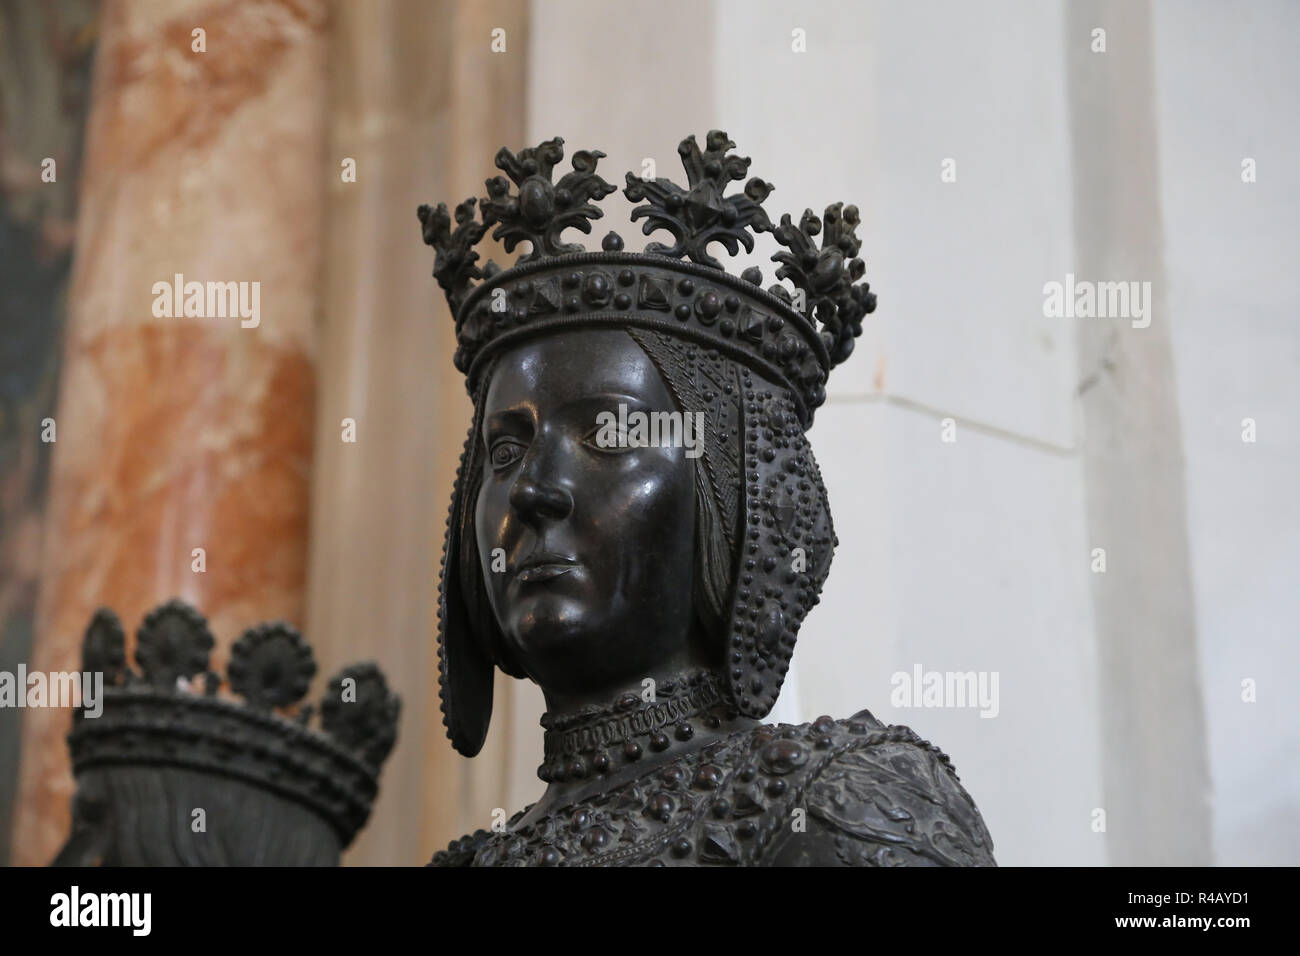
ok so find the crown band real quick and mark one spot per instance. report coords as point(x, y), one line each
point(621, 289)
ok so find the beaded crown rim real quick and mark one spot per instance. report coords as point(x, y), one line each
point(737, 301)
point(634, 260)
point(126, 711)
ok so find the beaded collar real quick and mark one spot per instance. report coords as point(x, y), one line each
point(595, 739)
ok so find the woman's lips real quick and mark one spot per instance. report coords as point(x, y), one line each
point(542, 572)
point(543, 566)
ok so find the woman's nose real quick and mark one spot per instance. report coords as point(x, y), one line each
point(534, 497)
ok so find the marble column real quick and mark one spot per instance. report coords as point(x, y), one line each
point(175, 434)
point(419, 103)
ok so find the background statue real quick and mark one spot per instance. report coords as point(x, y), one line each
point(171, 774)
point(639, 526)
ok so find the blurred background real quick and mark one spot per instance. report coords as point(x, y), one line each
point(978, 452)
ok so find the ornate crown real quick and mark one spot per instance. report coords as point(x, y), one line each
point(161, 718)
point(793, 338)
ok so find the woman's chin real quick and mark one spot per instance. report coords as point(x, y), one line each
point(548, 623)
point(565, 648)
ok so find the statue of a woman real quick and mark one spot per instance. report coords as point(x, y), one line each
point(639, 526)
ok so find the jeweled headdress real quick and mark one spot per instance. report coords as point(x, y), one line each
point(278, 789)
point(756, 362)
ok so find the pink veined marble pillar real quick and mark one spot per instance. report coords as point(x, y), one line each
point(179, 433)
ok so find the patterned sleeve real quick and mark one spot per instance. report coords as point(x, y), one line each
point(889, 804)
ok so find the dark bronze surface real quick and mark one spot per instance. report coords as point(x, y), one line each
point(654, 592)
point(173, 774)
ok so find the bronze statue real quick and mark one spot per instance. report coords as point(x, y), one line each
point(171, 774)
point(639, 526)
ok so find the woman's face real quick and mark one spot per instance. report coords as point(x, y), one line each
point(587, 551)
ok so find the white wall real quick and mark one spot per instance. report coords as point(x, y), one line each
point(973, 555)
point(1227, 79)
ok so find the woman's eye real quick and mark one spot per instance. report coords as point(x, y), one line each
point(504, 453)
point(608, 439)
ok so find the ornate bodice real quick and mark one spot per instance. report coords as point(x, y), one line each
point(833, 792)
